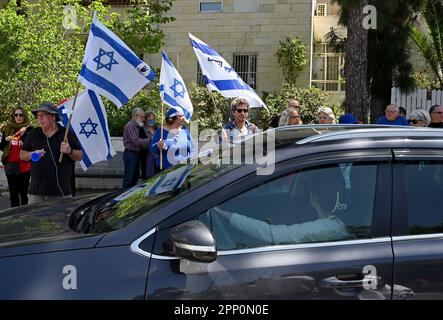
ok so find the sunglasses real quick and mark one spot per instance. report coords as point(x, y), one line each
point(413, 121)
point(242, 110)
point(294, 117)
point(439, 112)
point(19, 115)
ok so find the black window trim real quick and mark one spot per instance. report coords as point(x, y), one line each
point(400, 218)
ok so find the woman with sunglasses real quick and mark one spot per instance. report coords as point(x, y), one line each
point(17, 171)
point(436, 112)
point(419, 118)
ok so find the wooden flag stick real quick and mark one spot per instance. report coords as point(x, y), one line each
point(161, 139)
point(65, 139)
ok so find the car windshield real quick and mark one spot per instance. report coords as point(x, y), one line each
point(146, 197)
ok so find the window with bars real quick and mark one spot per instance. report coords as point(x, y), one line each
point(200, 80)
point(321, 10)
point(119, 2)
point(327, 66)
point(246, 67)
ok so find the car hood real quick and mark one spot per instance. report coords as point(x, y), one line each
point(42, 227)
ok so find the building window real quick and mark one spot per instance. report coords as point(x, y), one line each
point(327, 66)
point(321, 10)
point(200, 80)
point(210, 6)
point(119, 2)
point(246, 67)
point(245, 6)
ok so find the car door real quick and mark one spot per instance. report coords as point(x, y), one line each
point(418, 224)
point(309, 262)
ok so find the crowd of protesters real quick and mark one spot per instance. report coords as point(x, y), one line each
point(149, 148)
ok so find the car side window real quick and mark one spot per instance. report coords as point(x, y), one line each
point(424, 189)
point(328, 203)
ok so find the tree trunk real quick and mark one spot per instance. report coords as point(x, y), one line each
point(356, 89)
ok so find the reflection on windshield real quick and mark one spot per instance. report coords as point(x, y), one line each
point(155, 192)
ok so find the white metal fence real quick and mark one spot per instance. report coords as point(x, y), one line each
point(417, 99)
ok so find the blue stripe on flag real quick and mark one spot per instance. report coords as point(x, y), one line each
point(229, 85)
point(101, 118)
point(101, 82)
point(204, 48)
point(183, 176)
point(165, 57)
point(172, 102)
point(124, 52)
point(151, 76)
point(157, 184)
point(86, 159)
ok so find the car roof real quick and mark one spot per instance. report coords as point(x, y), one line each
point(309, 134)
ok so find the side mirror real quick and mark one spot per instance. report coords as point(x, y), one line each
point(193, 241)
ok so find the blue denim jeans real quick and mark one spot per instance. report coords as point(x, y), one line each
point(131, 161)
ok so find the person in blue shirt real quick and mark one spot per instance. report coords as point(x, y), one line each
point(392, 117)
point(177, 144)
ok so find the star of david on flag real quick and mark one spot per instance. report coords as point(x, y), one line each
point(172, 88)
point(85, 125)
point(220, 76)
point(90, 125)
point(111, 68)
point(103, 55)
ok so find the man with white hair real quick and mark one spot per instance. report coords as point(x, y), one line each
point(392, 117)
point(133, 145)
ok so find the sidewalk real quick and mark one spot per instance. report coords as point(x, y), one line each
point(5, 204)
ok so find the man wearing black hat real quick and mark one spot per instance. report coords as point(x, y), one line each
point(49, 178)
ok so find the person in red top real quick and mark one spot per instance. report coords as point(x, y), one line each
point(17, 171)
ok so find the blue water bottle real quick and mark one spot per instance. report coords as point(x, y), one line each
point(35, 156)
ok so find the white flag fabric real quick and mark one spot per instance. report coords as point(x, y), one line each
point(172, 88)
point(110, 68)
point(170, 181)
point(220, 76)
point(90, 125)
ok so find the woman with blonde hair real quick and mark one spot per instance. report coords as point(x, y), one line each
point(290, 116)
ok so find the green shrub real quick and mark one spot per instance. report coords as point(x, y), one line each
point(310, 100)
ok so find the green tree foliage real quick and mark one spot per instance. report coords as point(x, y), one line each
point(311, 99)
point(211, 109)
point(40, 59)
point(429, 40)
point(292, 57)
point(388, 54)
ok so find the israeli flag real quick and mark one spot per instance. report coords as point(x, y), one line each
point(110, 68)
point(172, 88)
point(220, 76)
point(172, 180)
point(90, 125)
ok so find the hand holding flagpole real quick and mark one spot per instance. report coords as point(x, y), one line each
point(65, 139)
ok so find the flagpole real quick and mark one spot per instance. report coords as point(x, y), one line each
point(161, 139)
point(65, 139)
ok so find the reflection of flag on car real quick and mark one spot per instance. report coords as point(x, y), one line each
point(110, 68)
point(90, 125)
point(170, 181)
point(220, 76)
point(172, 88)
